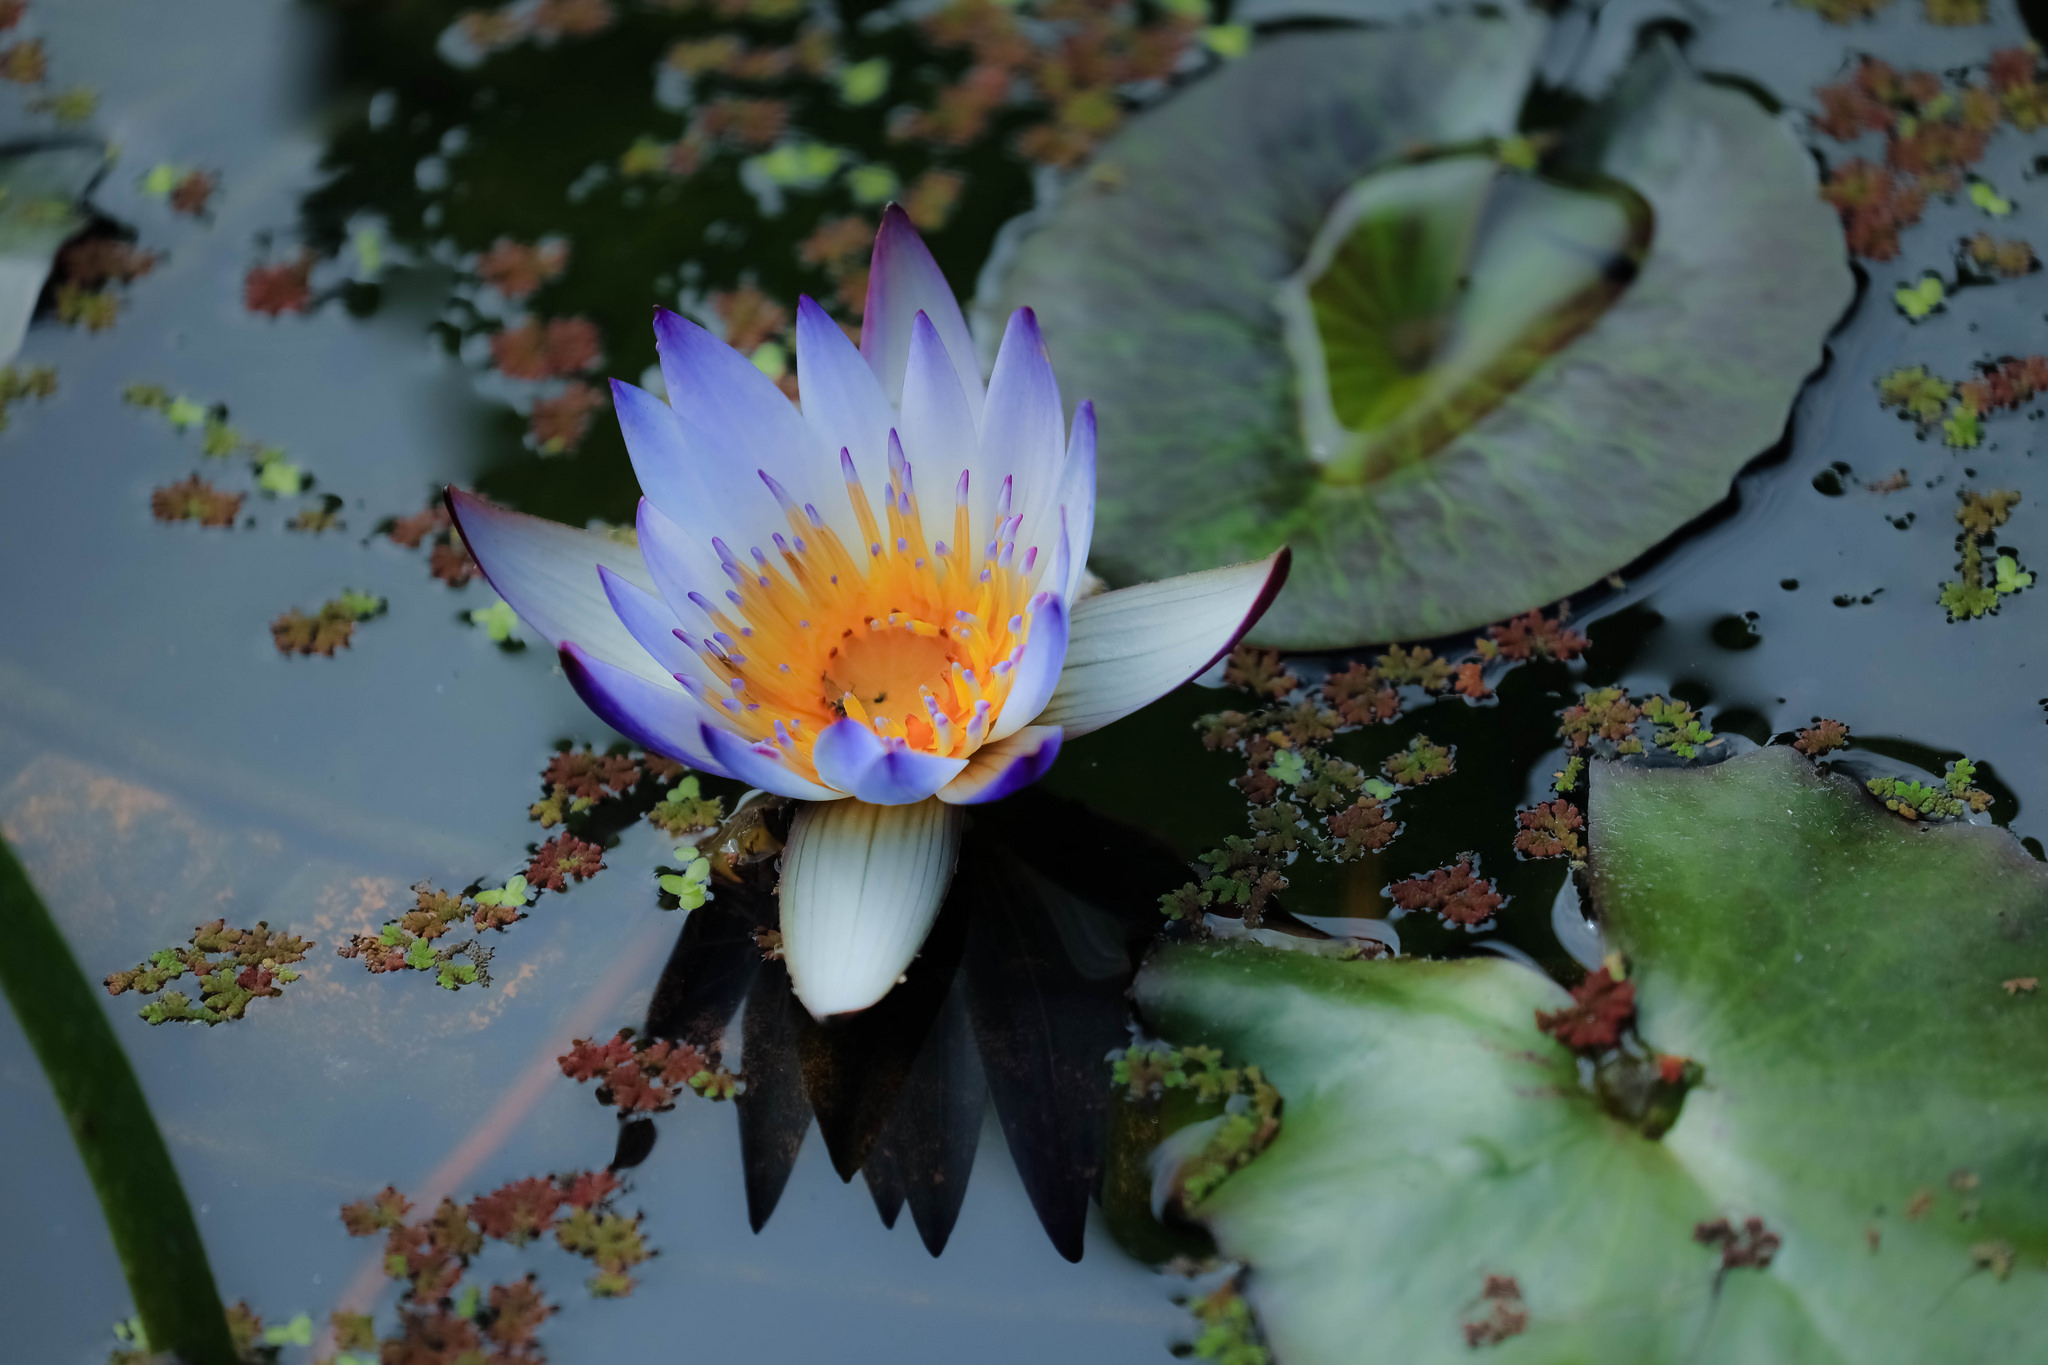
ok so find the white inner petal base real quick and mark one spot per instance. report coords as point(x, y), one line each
point(861, 885)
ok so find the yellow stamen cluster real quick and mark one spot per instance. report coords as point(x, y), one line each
point(916, 641)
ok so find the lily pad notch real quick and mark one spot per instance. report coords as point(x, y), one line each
point(1331, 296)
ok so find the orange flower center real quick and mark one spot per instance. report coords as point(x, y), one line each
point(916, 640)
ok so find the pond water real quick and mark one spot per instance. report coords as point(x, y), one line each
point(162, 763)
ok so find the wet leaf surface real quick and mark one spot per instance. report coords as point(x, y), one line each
point(1816, 957)
point(1517, 485)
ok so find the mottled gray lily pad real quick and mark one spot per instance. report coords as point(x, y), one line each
point(1554, 424)
point(1872, 1093)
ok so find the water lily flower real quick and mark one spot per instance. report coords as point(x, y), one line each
point(793, 620)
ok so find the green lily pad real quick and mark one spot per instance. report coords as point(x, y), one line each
point(1313, 307)
point(1872, 1093)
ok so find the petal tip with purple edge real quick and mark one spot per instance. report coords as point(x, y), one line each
point(1281, 560)
point(1129, 647)
point(997, 770)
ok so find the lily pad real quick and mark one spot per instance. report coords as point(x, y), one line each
point(1872, 1094)
point(40, 190)
point(1499, 387)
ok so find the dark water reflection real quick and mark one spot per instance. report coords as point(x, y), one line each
point(1017, 998)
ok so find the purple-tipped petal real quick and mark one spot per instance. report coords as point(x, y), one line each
point(759, 765)
point(654, 626)
point(663, 719)
point(743, 424)
point(1036, 674)
point(1009, 765)
point(1077, 494)
point(861, 885)
point(842, 404)
point(1129, 647)
point(903, 281)
point(852, 758)
point(1024, 428)
point(684, 570)
point(547, 572)
point(659, 449)
point(937, 428)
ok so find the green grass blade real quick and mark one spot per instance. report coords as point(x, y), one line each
point(145, 1205)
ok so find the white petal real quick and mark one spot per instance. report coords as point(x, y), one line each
point(842, 403)
point(660, 452)
point(1129, 647)
point(652, 623)
point(1005, 766)
point(903, 281)
point(684, 571)
point(737, 425)
point(547, 572)
point(861, 886)
point(1024, 431)
point(1077, 495)
point(937, 429)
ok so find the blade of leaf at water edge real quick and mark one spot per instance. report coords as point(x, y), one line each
point(147, 1213)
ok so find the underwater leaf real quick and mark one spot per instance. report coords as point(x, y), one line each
point(1466, 390)
point(1814, 957)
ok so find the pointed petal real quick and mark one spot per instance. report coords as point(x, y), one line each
point(1006, 766)
point(861, 885)
point(903, 281)
point(1037, 672)
point(547, 572)
point(1077, 494)
point(1134, 645)
point(650, 621)
point(664, 719)
point(738, 423)
point(852, 758)
point(759, 765)
point(682, 568)
point(937, 428)
point(842, 403)
point(655, 627)
point(1024, 428)
point(660, 452)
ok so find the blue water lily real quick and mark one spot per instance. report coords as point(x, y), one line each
point(783, 625)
